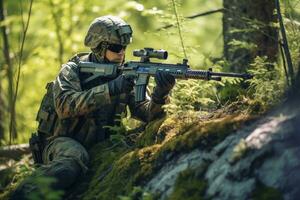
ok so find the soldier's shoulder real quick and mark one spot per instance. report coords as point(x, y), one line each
point(79, 57)
point(72, 66)
point(73, 62)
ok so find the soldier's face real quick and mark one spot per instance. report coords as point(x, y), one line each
point(115, 57)
point(115, 53)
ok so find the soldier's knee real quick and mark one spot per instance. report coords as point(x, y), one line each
point(64, 147)
point(66, 174)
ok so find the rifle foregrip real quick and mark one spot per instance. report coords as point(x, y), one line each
point(198, 74)
point(140, 93)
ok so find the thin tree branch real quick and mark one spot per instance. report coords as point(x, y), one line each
point(21, 55)
point(179, 28)
point(57, 24)
point(195, 16)
point(9, 71)
point(284, 63)
point(206, 13)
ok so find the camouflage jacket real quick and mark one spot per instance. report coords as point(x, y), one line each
point(84, 110)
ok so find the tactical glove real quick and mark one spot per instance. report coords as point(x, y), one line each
point(120, 85)
point(164, 83)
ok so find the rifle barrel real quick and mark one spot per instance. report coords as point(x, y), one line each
point(230, 74)
point(209, 75)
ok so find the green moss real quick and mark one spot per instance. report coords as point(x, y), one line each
point(6, 175)
point(149, 135)
point(239, 151)
point(120, 180)
point(103, 160)
point(263, 192)
point(117, 171)
point(13, 176)
point(206, 134)
point(138, 193)
point(188, 186)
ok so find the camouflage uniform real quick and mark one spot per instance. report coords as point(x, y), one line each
point(85, 109)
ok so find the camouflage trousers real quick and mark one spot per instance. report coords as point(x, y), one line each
point(64, 159)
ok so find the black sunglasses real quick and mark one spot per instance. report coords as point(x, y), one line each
point(117, 48)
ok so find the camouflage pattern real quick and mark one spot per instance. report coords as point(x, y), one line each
point(64, 154)
point(84, 110)
point(109, 29)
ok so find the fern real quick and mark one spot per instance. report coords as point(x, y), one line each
point(267, 86)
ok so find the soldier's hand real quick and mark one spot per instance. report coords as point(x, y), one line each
point(121, 84)
point(164, 83)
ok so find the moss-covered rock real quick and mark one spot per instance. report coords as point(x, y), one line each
point(117, 170)
point(263, 192)
point(188, 186)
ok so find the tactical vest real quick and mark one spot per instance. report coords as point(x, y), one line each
point(47, 116)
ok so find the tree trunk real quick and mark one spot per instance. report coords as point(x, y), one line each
point(248, 32)
point(9, 65)
point(1, 114)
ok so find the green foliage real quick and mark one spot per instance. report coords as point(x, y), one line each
point(192, 95)
point(23, 171)
point(267, 79)
point(13, 175)
point(44, 189)
point(237, 45)
point(117, 132)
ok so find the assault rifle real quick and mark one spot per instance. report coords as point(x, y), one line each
point(141, 71)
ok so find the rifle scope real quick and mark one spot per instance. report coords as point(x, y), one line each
point(151, 53)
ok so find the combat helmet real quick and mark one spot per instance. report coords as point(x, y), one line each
point(106, 30)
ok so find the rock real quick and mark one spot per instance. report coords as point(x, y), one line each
point(260, 160)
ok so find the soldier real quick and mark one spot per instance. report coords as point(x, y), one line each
point(84, 109)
